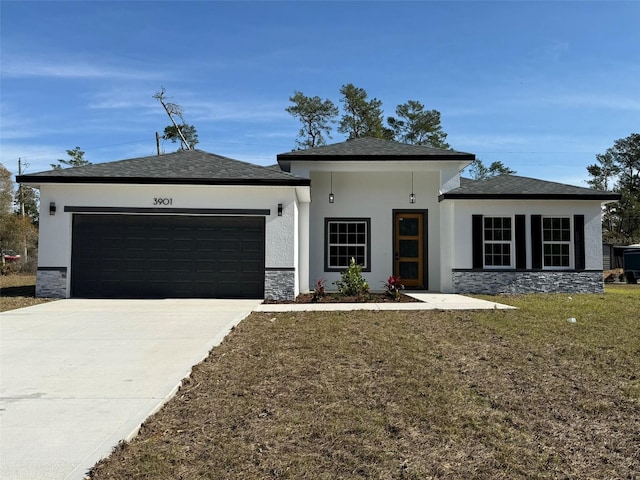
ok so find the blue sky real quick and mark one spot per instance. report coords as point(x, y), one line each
point(541, 86)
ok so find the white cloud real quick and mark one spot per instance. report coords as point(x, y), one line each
point(196, 106)
point(15, 125)
point(31, 66)
point(554, 51)
point(234, 111)
point(126, 98)
point(492, 142)
point(593, 100)
point(34, 158)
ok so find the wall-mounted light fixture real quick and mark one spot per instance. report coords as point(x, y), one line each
point(412, 196)
point(279, 209)
point(52, 208)
point(331, 195)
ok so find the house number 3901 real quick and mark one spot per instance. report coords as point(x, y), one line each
point(162, 201)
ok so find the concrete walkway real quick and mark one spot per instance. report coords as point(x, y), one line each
point(78, 376)
point(428, 301)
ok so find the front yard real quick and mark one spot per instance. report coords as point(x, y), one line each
point(18, 291)
point(516, 394)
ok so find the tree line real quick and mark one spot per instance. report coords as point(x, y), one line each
point(18, 226)
point(618, 170)
point(363, 117)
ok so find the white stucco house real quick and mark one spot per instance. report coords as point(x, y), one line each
point(195, 224)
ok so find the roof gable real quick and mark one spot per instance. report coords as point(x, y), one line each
point(515, 187)
point(183, 167)
point(372, 149)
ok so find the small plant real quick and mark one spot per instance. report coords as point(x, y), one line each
point(393, 287)
point(352, 283)
point(318, 290)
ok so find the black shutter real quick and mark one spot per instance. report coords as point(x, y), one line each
point(521, 242)
point(578, 241)
point(477, 241)
point(536, 241)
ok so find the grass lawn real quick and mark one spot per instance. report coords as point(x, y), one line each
point(18, 291)
point(521, 394)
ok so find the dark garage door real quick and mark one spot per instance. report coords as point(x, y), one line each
point(172, 256)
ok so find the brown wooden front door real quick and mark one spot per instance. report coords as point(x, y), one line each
point(410, 248)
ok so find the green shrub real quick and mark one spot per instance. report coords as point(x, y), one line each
point(352, 283)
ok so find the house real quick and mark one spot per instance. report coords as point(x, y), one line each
point(195, 224)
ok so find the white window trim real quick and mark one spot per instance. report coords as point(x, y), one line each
point(367, 245)
point(570, 242)
point(512, 243)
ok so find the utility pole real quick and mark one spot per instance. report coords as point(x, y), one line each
point(20, 197)
point(21, 201)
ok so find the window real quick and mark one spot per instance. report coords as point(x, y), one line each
point(556, 242)
point(346, 239)
point(498, 242)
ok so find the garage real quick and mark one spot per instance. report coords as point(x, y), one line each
point(167, 256)
point(188, 224)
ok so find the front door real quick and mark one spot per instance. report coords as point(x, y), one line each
point(410, 248)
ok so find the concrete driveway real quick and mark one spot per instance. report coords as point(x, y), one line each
point(78, 376)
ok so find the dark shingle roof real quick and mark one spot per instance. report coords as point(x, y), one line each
point(185, 167)
point(514, 187)
point(369, 148)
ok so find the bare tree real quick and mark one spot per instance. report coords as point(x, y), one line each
point(172, 110)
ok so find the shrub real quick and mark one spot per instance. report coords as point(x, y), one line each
point(393, 287)
point(352, 283)
point(29, 267)
point(318, 291)
point(10, 268)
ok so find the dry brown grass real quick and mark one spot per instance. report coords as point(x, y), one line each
point(18, 291)
point(409, 395)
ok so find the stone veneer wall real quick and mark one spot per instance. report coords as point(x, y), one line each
point(514, 282)
point(280, 285)
point(51, 282)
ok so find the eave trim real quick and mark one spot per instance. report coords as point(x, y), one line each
point(527, 196)
point(165, 211)
point(163, 181)
point(374, 158)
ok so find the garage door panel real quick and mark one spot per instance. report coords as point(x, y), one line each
point(251, 289)
point(203, 289)
point(157, 266)
point(228, 267)
point(229, 289)
point(251, 269)
point(230, 245)
point(251, 247)
point(204, 266)
point(129, 256)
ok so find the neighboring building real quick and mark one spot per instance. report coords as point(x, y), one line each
point(195, 224)
point(613, 255)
